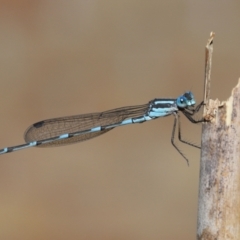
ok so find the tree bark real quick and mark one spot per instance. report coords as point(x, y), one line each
point(219, 187)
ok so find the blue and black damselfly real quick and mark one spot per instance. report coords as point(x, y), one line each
point(66, 130)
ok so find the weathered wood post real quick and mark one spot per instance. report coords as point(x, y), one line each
point(219, 186)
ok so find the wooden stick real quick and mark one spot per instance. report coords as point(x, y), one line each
point(219, 186)
point(208, 68)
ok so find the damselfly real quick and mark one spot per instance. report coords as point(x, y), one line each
point(66, 130)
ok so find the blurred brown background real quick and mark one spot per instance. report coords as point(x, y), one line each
point(63, 58)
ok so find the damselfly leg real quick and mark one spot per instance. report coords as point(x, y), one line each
point(189, 114)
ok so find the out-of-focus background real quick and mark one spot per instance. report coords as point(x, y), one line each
point(62, 58)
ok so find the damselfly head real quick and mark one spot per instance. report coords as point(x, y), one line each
point(186, 100)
